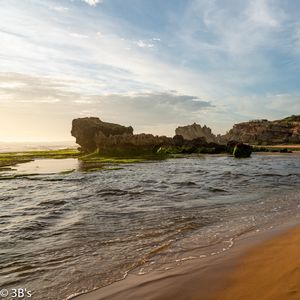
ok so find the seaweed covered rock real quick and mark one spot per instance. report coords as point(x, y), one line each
point(239, 150)
point(230, 146)
point(198, 145)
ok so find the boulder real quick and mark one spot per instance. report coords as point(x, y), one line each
point(242, 151)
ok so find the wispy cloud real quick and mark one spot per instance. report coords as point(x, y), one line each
point(237, 54)
point(43, 97)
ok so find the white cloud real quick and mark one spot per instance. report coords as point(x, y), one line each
point(93, 2)
point(143, 44)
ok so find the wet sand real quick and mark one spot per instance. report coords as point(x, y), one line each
point(271, 271)
point(262, 266)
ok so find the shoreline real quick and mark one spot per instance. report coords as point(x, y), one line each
point(206, 278)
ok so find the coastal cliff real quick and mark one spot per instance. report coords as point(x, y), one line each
point(264, 132)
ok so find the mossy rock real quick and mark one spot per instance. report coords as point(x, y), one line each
point(242, 151)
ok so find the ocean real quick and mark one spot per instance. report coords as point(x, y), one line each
point(65, 234)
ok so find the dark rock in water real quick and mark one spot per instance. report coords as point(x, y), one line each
point(240, 150)
point(230, 146)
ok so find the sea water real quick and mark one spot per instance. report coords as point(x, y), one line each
point(62, 234)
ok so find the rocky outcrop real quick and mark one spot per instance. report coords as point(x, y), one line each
point(194, 131)
point(114, 139)
point(88, 131)
point(264, 132)
point(109, 138)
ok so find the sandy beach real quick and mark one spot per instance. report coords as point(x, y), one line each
point(270, 271)
point(265, 266)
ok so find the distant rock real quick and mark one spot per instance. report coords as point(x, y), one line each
point(194, 131)
point(264, 132)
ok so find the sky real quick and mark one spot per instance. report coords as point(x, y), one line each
point(153, 65)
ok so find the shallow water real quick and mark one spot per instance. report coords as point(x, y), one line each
point(45, 166)
point(65, 234)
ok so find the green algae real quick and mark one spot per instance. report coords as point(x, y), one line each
point(186, 149)
point(98, 157)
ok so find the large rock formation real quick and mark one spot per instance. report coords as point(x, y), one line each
point(109, 138)
point(264, 132)
point(92, 134)
point(194, 131)
point(88, 131)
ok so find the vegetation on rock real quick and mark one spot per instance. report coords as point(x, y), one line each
point(242, 151)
